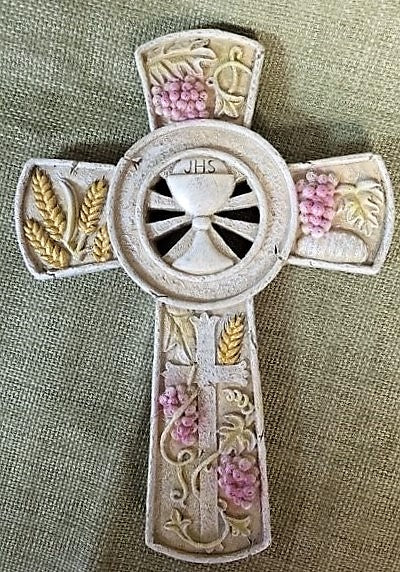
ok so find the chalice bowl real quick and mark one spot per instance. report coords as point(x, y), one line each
point(201, 195)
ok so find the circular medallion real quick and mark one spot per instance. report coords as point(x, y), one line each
point(203, 213)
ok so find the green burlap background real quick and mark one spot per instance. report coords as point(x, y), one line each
point(76, 354)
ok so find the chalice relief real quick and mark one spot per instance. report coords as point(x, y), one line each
point(210, 235)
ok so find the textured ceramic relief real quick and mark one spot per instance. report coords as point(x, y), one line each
point(61, 221)
point(208, 487)
point(345, 213)
point(200, 74)
point(203, 213)
point(179, 220)
point(168, 216)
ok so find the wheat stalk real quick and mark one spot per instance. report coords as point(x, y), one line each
point(92, 206)
point(230, 341)
point(102, 245)
point(42, 243)
point(47, 204)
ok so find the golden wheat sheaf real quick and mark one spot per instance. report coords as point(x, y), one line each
point(231, 340)
point(43, 244)
point(46, 201)
point(102, 245)
point(92, 206)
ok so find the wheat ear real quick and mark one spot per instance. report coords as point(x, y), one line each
point(42, 243)
point(92, 206)
point(46, 201)
point(102, 245)
point(230, 341)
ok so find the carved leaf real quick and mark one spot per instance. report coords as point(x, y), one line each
point(235, 437)
point(228, 104)
point(177, 522)
point(227, 99)
point(177, 60)
point(239, 526)
point(361, 204)
point(179, 334)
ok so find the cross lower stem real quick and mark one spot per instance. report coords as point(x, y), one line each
point(208, 497)
point(198, 528)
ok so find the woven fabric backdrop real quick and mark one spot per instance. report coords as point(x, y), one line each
point(76, 354)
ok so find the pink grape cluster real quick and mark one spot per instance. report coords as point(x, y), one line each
point(316, 202)
point(238, 478)
point(185, 428)
point(181, 99)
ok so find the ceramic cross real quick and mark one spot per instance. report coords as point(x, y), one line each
point(203, 213)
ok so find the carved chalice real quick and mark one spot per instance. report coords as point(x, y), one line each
point(200, 196)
